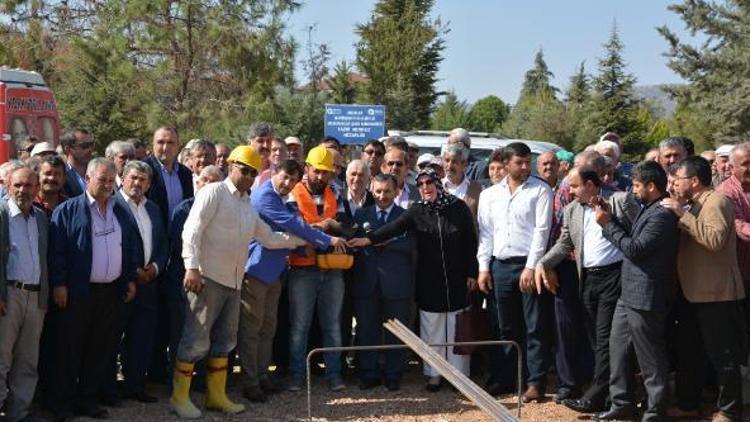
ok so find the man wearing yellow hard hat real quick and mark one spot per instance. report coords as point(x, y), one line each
point(309, 284)
point(217, 231)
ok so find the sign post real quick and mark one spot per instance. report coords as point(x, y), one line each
point(354, 123)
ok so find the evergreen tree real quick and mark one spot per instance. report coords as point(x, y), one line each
point(450, 114)
point(579, 91)
point(613, 107)
point(488, 114)
point(717, 73)
point(537, 79)
point(342, 89)
point(400, 49)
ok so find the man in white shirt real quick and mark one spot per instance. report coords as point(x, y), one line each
point(599, 263)
point(357, 187)
point(514, 220)
point(456, 183)
point(217, 231)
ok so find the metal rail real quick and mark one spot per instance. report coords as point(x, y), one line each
point(404, 346)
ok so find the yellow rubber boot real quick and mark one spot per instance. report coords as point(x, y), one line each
point(216, 382)
point(180, 400)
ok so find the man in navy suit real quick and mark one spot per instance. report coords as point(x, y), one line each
point(77, 148)
point(384, 286)
point(92, 261)
point(138, 318)
point(171, 183)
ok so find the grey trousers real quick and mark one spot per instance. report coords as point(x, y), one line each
point(260, 301)
point(642, 332)
point(211, 321)
point(20, 330)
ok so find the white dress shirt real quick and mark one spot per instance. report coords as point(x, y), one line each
point(143, 220)
point(514, 224)
point(221, 224)
point(402, 199)
point(458, 190)
point(353, 204)
point(23, 257)
point(597, 251)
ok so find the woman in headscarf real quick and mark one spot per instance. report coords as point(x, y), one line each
point(446, 263)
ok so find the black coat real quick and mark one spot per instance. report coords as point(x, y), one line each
point(446, 253)
point(158, 191)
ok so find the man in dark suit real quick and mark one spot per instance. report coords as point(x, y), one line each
point(138, 318)
point(384, 287)
point(171, 183)
point(648, 270)
point(77, 148)
point(394, 163)
point(92, 261)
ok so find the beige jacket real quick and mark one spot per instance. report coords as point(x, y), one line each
point(707, 261)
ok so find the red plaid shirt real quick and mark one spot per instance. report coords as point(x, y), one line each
point(732, 189)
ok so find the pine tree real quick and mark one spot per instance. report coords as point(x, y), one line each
point(342, 89)
point(451, 113)
point(400, 47)
point(537, 79)
point(579, 91)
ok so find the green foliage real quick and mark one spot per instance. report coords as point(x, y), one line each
point(400, 49)
point(579, 91)
point(538, 117)
point(450, 114)
point(343, 91)
point(537, 79)
point(717, 70)
point(488, 114)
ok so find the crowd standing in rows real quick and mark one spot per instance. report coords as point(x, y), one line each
point(171, 262)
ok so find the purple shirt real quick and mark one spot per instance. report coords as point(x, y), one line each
point(106, 243)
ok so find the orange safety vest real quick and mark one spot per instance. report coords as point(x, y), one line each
point(309, 210)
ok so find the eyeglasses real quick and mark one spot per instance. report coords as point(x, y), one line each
point(377, 153)
point(395, 163)
point(246, 171)
point(425, 183)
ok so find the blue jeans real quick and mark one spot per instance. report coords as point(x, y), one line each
point(308, 286)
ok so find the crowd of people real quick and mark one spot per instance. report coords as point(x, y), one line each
point(174, 265)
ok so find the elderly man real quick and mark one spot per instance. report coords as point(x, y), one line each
point(394, 163)
point(639, 322)
point(138, 318)
point(548, 166)
point(721, 166)
point(120, 152)
point(43, 149)
point(261, 287)
point(217, 231)
point(671, 151)
point(316, 203)
point(222, 153)
point(202, 154)
point(23, 292)
point(598, 262)
point(260, 137)
point(78, 148)
point(372, 154)
point(171, 285)
point(384, 288)
point(456, 182)
point(612, 150)
point(294, 148)
point(93, 260)
point(514, 218)
point(357, 194)
point(475, 169)
point(712, 325)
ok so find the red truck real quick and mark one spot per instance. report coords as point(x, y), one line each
point(27, 108)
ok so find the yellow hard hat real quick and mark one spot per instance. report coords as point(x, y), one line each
point(245, 154)
point(320, 158)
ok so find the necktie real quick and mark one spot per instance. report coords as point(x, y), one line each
point(381, 218)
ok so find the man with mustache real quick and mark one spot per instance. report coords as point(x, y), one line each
point(51, 181)
point(260, 138)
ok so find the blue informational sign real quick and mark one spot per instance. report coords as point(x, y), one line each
point(354, 123)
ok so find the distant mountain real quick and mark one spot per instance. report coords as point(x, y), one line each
point(654, 94)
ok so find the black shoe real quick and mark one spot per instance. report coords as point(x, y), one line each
point(495, 389)
point(566, 394)
point(93, 412)
point(619, 414)
point(583, 405)
point(255, 394)
point(393, 385)
point(141, 397)
point(269, 387)
point(367, 384)
point(432, 385)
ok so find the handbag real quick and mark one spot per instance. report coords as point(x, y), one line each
point(472, 324)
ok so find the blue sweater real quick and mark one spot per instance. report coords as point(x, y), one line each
point(267, 264)
point(70, 247)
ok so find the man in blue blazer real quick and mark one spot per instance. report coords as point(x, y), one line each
point(383, 288)
point(261, 288)
point(93, 257)
point(171, 183)
point(138, 319)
